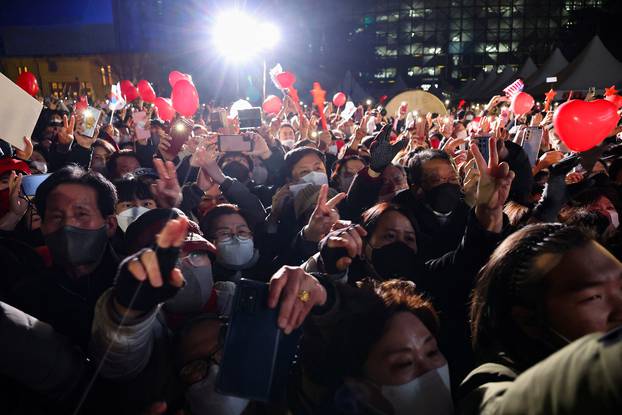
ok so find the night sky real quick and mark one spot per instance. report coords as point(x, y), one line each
point(46, 12)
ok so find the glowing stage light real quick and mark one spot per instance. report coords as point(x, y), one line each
point(238, 36)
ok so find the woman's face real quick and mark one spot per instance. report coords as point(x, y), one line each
point(307, 164)
point(406, 351)
point(393, 227)
point(585, 292)
point(228, 226)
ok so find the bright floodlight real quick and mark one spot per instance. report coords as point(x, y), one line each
point(239, 36)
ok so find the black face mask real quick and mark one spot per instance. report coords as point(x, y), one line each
point(74, 246)
point(443, 198)
point(236, 170)
point(395, 260)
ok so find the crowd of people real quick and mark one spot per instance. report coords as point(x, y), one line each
point(427, 265)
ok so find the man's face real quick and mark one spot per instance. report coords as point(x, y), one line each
point(72, 205)
point(287, 133)
point(585, 292)
point(437, 172)
point(126, 164)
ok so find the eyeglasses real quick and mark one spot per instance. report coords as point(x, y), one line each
point(198, 259)
point(243, 234)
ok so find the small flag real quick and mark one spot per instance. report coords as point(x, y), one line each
point(116, 99)
point(83, 103)
point(514, 88)
point(274, 72)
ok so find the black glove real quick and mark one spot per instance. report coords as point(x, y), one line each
point(329, 256)
point(145, 296)
point(381, 150)
point(555, 193)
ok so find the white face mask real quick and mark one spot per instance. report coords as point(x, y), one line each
point(613, 215)
point(235, 251)
point(332, 149)
point(203, 398)
point(125, 218)
point(461, 134)
point(315, 177)
point(430, 394)
point(40, 165)
point(288, 143)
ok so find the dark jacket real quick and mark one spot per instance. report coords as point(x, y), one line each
point(60, 156)
point(582, 378)
point(67, 304)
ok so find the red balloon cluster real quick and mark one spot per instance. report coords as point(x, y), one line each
point(165, 108)
point(339, 99)
point(145, 91)
point(128, 90)
point(28, 82)
point(272, 104)
point(185, 98)
point(285, 79)
point(583, 125)
point(521, 103)
point(175, 76)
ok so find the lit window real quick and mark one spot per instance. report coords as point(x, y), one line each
point(386, 73)
point(103, 72)
point(415, 70)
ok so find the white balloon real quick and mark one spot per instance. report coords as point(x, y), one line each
point(240, 104)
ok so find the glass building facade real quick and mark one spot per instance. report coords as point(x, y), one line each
point(447, 41)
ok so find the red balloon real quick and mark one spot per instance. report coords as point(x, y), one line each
point(128, 90)
point(28, 82)
point(615, 99)
point(339, 99)
point(583, 125)
point(522, 103)
point(175, 76)
point(286, 79)
point(272, 104)
point(145, 91)
point(165, 108)
point(185, 98)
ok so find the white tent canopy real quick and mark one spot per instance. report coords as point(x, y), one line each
point(551, 67)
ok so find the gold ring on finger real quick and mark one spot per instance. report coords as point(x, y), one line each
point(304, 296)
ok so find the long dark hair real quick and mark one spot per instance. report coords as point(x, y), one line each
point(512, 277)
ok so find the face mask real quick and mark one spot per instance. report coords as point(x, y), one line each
point(203, 398)
point(195, 293)
point(613, 215)
point(75, 246)
point(125, 218)
point(443, 198)
point(260, 174)
point(315, 177)
point(237, 171)
point(332, 149)
point(461, 134)
point(288, 143)
point(430, 393)
point(40, 165)
point(235, 251)
point(395, 260)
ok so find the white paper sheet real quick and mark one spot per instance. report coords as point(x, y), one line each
point(19, 113)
